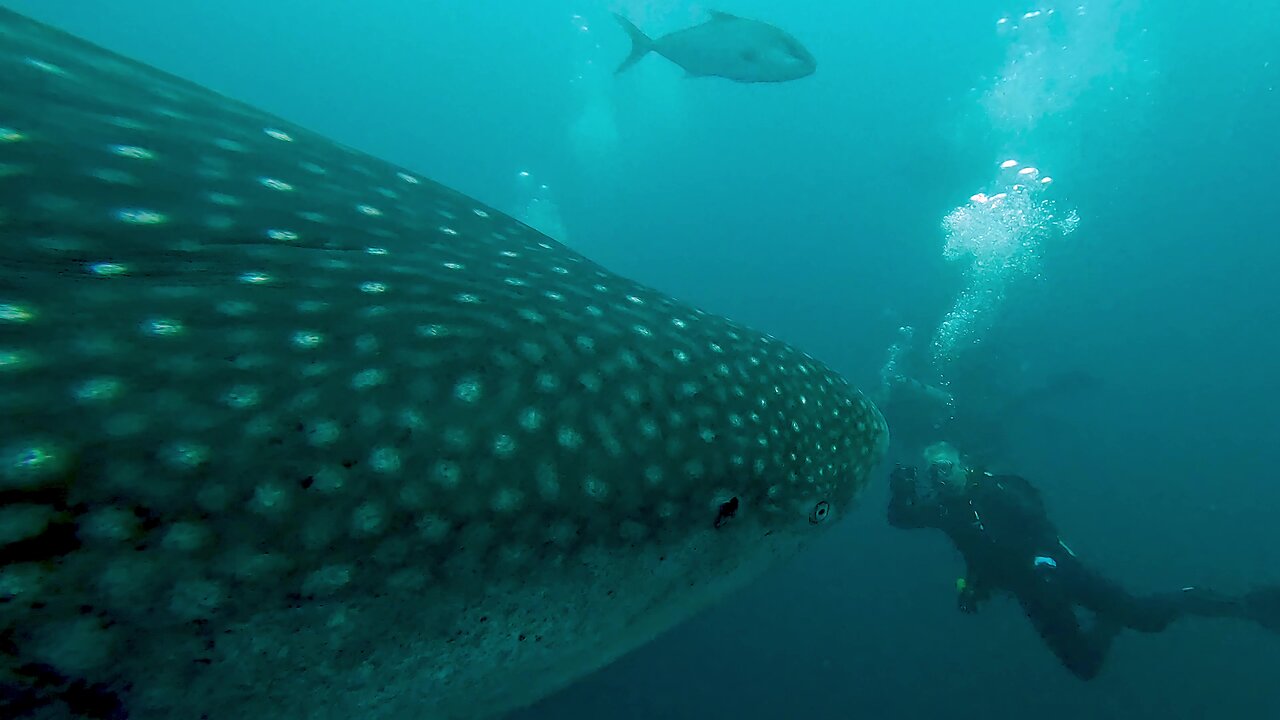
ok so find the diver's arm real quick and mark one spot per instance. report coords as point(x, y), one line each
point(906, 508)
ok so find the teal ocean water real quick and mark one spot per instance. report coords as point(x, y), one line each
point(1065, 213)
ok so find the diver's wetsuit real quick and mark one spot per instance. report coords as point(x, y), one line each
point(1000, 526)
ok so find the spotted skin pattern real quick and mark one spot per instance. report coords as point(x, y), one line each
point(288, 431)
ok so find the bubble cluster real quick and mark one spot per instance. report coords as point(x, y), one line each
point(998, 237)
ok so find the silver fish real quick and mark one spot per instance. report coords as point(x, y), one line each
point(727, 46)
point(289, 431)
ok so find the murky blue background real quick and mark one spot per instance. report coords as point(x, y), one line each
point(813, 210)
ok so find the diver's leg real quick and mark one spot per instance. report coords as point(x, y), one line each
point(1112, 604)
point(1054, 617)
point(1154, 613)
point(1262, 605)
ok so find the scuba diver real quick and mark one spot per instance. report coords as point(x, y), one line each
point(1000, 525)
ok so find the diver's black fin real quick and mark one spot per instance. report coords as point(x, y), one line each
point(1263, 607)
point(640, 43)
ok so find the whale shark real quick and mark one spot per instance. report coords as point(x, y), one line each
point(287, 430)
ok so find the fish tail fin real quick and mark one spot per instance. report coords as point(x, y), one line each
point(641, 45)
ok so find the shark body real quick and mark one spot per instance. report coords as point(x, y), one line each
point(290, 431)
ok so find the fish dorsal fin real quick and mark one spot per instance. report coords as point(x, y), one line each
point(718, 15)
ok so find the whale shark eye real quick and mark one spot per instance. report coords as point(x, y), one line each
point(819, 512)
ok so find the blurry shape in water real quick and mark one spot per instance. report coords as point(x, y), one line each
point(1053, 58)
point(913, 408)
point(289, 431)
point(593, 134)
point(727, 46)
point(999, 236)
point(538, 209)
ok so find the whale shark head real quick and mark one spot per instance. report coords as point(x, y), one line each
point(287, 426)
